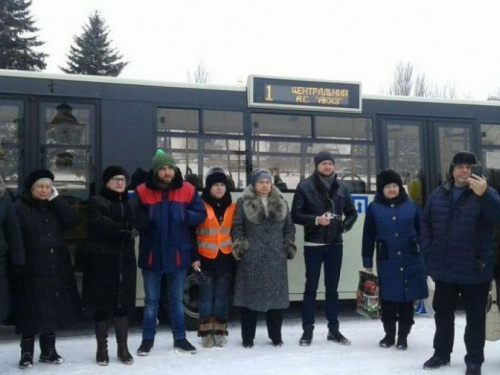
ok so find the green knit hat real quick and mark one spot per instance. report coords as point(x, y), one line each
point(161, 160)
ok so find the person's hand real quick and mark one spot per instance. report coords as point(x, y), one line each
point(324, 219)
point(133, 233)
point(196, 265)
point(54, 193)
point(478, 185)
point(369, 269)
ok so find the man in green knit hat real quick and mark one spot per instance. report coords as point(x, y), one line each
point(168, 207)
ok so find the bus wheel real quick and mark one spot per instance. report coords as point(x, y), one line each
point(190, 301)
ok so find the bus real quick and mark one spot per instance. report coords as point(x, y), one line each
point(78, 125)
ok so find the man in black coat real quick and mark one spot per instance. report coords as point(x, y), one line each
point(459, 244)
point(323, 205)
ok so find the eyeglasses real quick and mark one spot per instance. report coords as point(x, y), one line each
point(117, 180)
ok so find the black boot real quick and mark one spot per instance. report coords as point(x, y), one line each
point(274, 321)
point(101, 335)
point(121, 330)
point(27, 350)
point(307, 335)
point(390, 334)
point(403, 332)
point(48, 347)
point(248, 327)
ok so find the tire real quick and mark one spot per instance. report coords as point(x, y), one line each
point(190, 302)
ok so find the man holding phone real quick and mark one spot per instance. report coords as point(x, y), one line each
point(323, 205)
point(459, 244)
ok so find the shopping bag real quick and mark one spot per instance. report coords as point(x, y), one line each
point(492, 315)
point(424, 306)
point(367, 295)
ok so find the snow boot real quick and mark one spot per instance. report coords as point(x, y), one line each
point(49, 353)
point(101, 335)
point(220, 331)
point(307, 335)
point(145, 347)
point(205, 328)
point(121, 330)
point(335, 336)
point(390, 334)
point(27, 350)
point(184, 346)
point(403, 332)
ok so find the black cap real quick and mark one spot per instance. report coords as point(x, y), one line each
point(37, 175)
point(321, 157)
point(386, 177)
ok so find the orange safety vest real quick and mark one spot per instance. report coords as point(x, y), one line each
point(212, 236)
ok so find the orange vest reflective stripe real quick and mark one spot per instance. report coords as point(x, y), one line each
point(212, 236)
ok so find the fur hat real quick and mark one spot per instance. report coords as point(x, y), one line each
point(113, 171)
point(34, 176)
point(386, 177)
point(462, 157)
point(260, 173)
point(215, 175)
point(161, 160)
point(321, 157)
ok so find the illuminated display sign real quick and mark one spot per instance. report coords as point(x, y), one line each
point(271, 92)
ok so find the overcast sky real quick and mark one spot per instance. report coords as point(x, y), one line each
point(452, 42)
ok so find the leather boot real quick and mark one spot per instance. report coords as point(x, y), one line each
point(390, 335)
point(27, 350)
point(403, 332)
point(48, 347)
point(101, 335)
point(121, 329)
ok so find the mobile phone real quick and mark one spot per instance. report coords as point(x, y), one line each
point(478, 170)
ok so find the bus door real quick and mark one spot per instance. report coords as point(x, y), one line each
point(420, 149)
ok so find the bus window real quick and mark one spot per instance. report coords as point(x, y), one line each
point(344, 128)
point(281, 125)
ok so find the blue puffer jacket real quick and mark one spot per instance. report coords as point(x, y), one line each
point(458, 239)
point(165, 217)
point(391, 226)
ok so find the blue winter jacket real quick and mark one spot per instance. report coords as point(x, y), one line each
point(165, 240)
point(391, 226)
point(458, 238)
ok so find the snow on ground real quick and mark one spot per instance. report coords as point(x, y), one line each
point(364, 356)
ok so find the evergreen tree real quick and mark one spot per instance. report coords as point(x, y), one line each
point(92, 54)
point(17, 38)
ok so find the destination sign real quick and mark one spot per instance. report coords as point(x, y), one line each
point(300, 94)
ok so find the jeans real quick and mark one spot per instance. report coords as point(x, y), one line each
point(331, 257)
point(214, 289)
point(474, 298)
point(175, 291)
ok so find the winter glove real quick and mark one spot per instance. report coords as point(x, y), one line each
point(239, 247)
point(17, 272)
point(54, 193)
point(133, 233)
point(290, 249)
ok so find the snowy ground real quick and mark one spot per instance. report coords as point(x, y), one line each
point(364, 356)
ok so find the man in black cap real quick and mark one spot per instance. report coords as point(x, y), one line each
point(323, 205)
point(459, 242)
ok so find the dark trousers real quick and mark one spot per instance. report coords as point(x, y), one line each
point(104, 315)
point(397, 311)
point(315, 257)
point(474, 298)
point(274, 320)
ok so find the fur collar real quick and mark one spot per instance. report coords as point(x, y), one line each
point(254, 209)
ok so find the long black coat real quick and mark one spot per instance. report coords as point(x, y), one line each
point(11, 246)
point(110, 276)
point(47, 296)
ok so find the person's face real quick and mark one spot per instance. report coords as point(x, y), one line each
point(218, 190)
point(391, 191)
point(326, 168)
point(42, 190)
point(461, 174)
point(165, 174)
point(117, 183)
point(263, 186)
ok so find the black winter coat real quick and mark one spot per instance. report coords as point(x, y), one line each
point(11, 246)
point(47, 296)
point(110, 277)
point(313, 199)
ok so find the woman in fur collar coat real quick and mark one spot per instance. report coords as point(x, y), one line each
point(263, 239)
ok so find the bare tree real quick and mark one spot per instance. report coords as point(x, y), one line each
point(495, 96)
point(406, 83)
point(200, 75)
